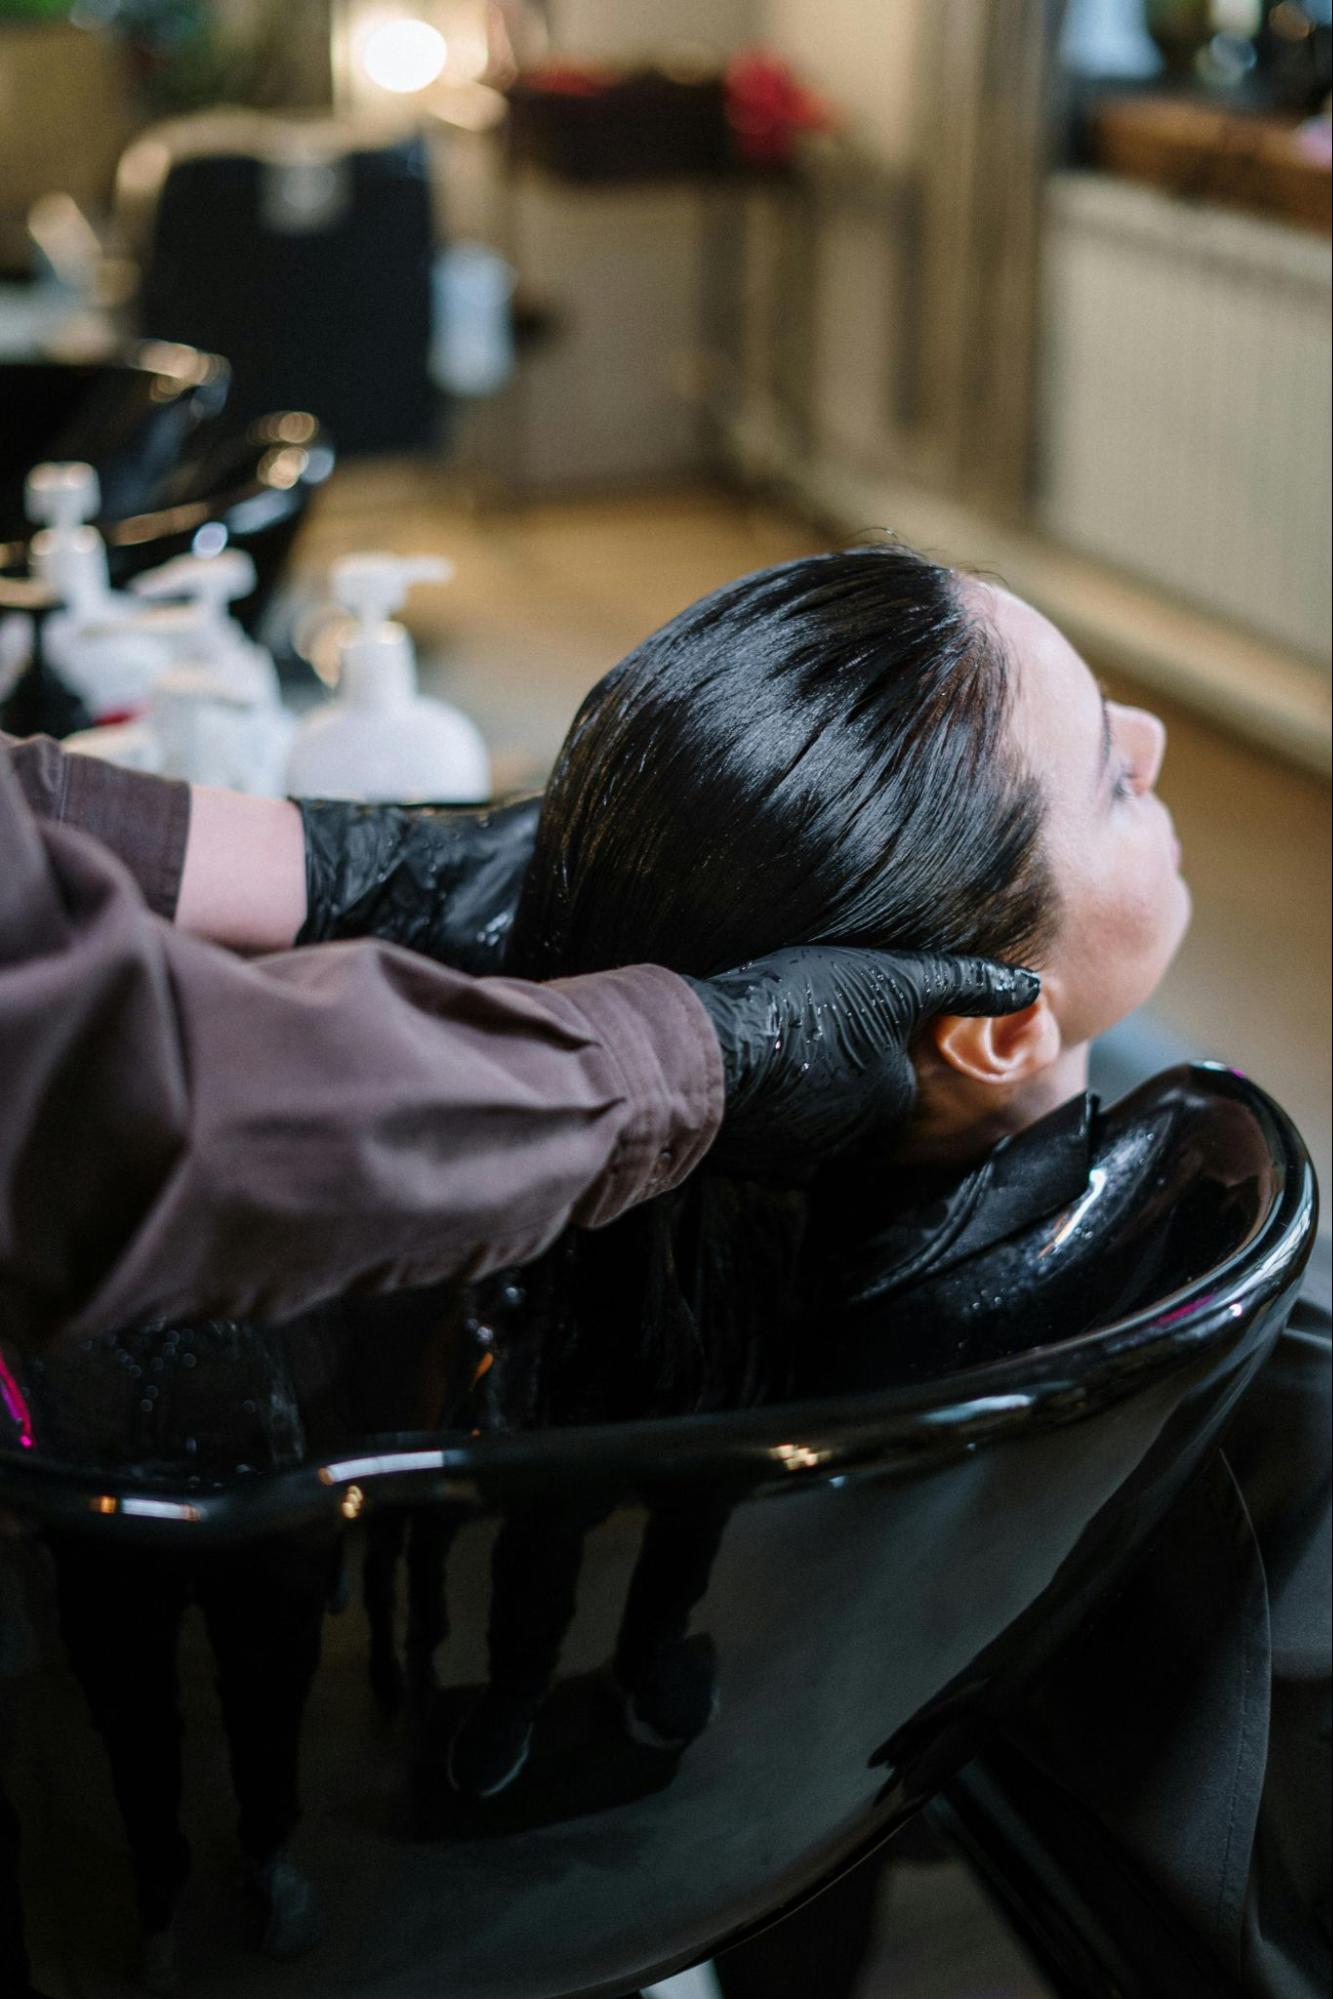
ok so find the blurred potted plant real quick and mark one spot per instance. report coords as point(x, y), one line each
point(188, 54)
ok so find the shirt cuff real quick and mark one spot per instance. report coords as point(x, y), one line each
point(660, 1040)
point(144, 820)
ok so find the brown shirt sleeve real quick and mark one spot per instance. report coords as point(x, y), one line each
point(183, 1131)
point(144, 820)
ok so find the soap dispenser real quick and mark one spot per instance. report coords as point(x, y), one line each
point(67, 553)
point(215, 716)
point(100, 642)
point(380, 740)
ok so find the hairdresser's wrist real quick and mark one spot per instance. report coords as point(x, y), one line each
point(243, 879)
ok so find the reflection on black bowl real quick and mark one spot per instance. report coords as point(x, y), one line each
point(131, 419)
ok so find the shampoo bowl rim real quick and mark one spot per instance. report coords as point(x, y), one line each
point(780, 1446)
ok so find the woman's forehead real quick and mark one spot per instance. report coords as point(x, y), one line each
point(1057, 704)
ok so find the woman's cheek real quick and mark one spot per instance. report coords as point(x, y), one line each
point(1145, 929)
point(1165, 899)
point(1126, 935)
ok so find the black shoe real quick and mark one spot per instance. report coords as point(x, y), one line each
point(287, 1916)
point(491, 1744)
point(672, 1700)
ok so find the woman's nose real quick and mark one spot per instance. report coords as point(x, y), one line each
point(1145, 741)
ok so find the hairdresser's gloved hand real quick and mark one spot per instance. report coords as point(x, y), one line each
point(443, 881)
point(815, 1046)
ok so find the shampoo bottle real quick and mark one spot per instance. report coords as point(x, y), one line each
point(215, 715)
point(380, 740)
point(103, 645)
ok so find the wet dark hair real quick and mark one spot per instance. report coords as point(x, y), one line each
point(818, 752)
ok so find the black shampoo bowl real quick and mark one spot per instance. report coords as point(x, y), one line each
point(868, 1581)
point(255, 484)
point(131, 419)
point(170, 460)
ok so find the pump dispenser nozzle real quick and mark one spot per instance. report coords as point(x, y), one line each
point(373, 587)
point(62, 495)
point(205, 636)
point(209, 581)
point(378, 664)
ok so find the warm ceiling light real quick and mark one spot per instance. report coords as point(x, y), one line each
point(403, 56)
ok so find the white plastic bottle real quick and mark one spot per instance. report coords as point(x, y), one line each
point(381, 740)
point(218, 709)
point(67, 553)
point(105, 646)
point(215, 715)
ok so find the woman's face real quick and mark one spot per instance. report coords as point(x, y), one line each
point(1114, 857)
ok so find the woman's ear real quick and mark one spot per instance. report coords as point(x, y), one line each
point(1003, 1051)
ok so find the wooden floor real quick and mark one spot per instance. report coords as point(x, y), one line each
point(546, 598)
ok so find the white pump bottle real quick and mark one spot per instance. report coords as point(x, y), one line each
point(381, 741)
point(106, 646)
point(67, 552)
point(215, 716)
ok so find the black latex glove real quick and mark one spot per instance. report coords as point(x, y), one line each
point(815, 1046)
point(444, 881)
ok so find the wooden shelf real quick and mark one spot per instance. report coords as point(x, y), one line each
point(1232, 158)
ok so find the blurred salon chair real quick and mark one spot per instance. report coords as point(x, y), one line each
point(896, 1566)
point(301, 249)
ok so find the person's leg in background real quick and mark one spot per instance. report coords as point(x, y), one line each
point(667, 1680)
point(430, 1535)
point(386, 1534)
point(120, 1617)
point(534, 1581)
point(264, 1607)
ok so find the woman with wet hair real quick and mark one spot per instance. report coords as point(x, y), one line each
point(874, 748)
point(866, 747)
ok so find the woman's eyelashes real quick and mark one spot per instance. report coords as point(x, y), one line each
point(1124, 784)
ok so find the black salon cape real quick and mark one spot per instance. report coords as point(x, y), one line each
point(1194, 1719)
